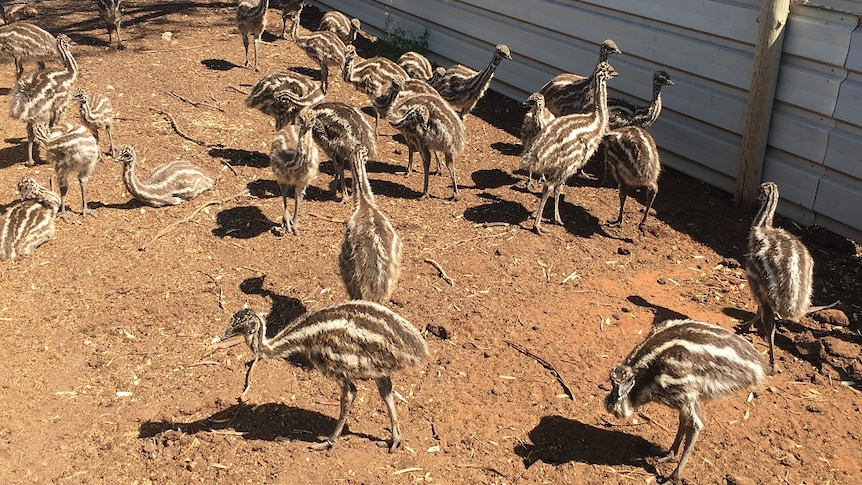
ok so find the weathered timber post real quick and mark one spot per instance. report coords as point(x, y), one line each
point(761, 95)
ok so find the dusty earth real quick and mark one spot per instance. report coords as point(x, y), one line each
point(108, 375)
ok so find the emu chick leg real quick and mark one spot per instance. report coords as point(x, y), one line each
point(348, 394)
point(384, 385)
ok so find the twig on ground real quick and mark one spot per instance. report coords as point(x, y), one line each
point(240, 91)
point(337, 221)
point(203, 362)
point(176, 128)
point(484, 468)
point(442, 272)
point(193, 103)
point(189, 217)
point(544, 363)
point(220, 293)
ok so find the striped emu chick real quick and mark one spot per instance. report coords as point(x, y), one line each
point(294, 159)
point(287, 8)
point(399, 92)
point(266, 96)
point(536, 119)
point(26, 42)
point(30, 223)
point(339, 24)
point(680, 364)
point(779, 270)
point(566, 144)
point(324, 48)
point(429, 123)
point(370, 259)
point(69, 149)
point(111, 13)
point(251, 20)
point(371, 76)
point(416, 66)
point(339, 129)
point(96, 114)
point(569, 93)
point(622, 113)
point(350, 341)
point(632, 159)
point(42, 95)
point(464, 87)
point(171, 183)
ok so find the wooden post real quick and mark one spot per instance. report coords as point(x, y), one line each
point(761, 95)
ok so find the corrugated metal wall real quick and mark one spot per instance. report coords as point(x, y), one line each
point(815, 141)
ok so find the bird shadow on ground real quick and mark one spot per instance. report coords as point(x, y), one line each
point(268, 422)
point(127, 205)
point(284, 308)
point(268, 189)
point(508, 148)
point(557, 440)
point(660, 313)
point(492, 178)
point(219, 64)
point(576, 220)
point(393, 190)
point(17, 153)
point(501, 112)
point(376, 166)
point(244, 222)
point(305, 71)
point(498, 210)
point(237, 157)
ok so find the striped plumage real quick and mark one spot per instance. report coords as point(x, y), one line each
point(399, 92)
point(287, 7)
point(632, 159)
point(680, 364)
point(566, 144)
point(294, 159)
point(371, 76)
point(429, 123)
point(29, 223)
point(569, 93)
point(370, 258)
point(346, 342)
point(265, 96)
point(339, 24)
point(96, 114)
point(171, 183)
point(535, 120)
point(251, 20)
point(338, 129)
point(463, 87)
point(623, 113)
point(111, 13)
point(779, 268)
point(416, 66)
point(69, 149)
point(42, 95)
point(324, 48)
point(26, 42)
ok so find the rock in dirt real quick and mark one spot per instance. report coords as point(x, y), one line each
point(737, 480)
point(832, 316)
point(840, 348)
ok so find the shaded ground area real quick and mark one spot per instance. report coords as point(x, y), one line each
point(108, 375)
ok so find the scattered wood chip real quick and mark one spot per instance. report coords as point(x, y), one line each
point(544, 363)
point(442, 272)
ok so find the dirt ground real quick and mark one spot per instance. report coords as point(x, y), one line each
point(108, 375)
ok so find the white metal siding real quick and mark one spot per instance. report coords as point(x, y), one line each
point(815, 140)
